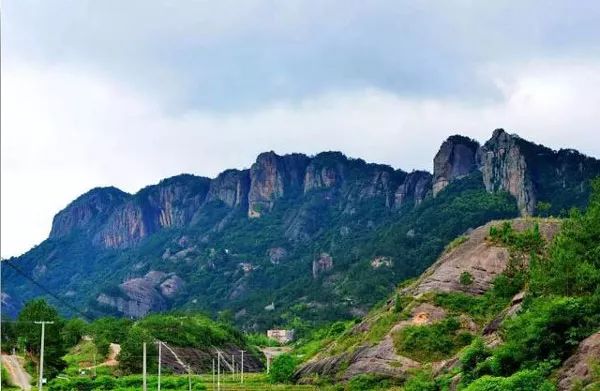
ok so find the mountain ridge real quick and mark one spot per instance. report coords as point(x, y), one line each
point(321, 237)
point(274, 176)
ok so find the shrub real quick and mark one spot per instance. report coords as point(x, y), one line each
point(431, 342)
point(526, 380)
point(456, 242)
point(368, 382)
point(472, 361)
point(466, 278)
point(424, 381)
point(548, 329)
point(282, 369)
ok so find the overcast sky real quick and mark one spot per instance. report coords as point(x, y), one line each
point(124, 93)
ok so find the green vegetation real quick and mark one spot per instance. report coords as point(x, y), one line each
point(465, 278)
point(456, 242)
point(560, 308)
point(483, 308)
point(5, 385)
point(563, 307)
point(425, 381)
point(428, 343)
point(261, 340)
point(525, 380)
point(29, 333)
point(301, 224)
point(312, 343)
point(82, 355)
point(282, 368)
point(73, 347)
point(368, 382)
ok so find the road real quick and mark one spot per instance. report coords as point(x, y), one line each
point(17, 373)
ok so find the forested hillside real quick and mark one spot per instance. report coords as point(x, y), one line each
point(515, 305)
point(293, 241)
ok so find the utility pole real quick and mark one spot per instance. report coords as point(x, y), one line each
point(41, 379)
point(144, 388)
point(189, 378)
point(242, 373)
point(159, 353)
point(232, 367)
point(218, 370)
point(268, 362)
point(213, 373)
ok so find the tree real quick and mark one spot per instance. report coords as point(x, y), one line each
point(130, 358)
point(466, 278)
point(573, 264)
point(543, 208)
point(397, 304)
point(282, 369)
point(30, 332)
point(73, 331)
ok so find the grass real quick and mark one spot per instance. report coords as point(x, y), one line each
point(252, 381)
point(82, 356)
point(429, 343)
point(455, 243)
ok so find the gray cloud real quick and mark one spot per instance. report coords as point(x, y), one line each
point(229, 55)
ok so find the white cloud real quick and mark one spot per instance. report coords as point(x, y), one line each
point(65, 130)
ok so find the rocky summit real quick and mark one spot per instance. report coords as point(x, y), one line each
point(305, 230)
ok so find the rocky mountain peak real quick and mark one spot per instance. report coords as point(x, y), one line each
point(504, 167)
point(454, 160)
point(173, 202)
point(271, 177)
point(230, 187)
point(325, 170)
point(89, 208)
point(529, 172)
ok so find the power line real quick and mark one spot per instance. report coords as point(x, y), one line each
point(42, 287)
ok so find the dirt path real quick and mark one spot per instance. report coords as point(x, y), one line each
point(17, 373)
point(111, 360)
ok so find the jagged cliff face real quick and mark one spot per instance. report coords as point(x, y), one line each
point(230, 187)
point(273, 176)
point(504, 167)
point(171, 203)
point(454, 160)
point(97, 204)
point(528, 172)
point(277, 216)
point(414, 189)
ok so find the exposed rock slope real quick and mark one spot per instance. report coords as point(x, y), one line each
point(481, 259)
point(579, 368)
point(475, 255)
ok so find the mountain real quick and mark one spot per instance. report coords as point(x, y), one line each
point(511, 305)
point(372, 346)
point(293, 240)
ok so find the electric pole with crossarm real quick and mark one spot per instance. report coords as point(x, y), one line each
point(41, 379)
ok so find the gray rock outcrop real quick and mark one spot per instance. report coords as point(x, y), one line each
point(413, 190)
point(323, 263)
point(230, 187)
point(454, 160)
point(476, 256)
point(504, 167)
point(578, 369)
